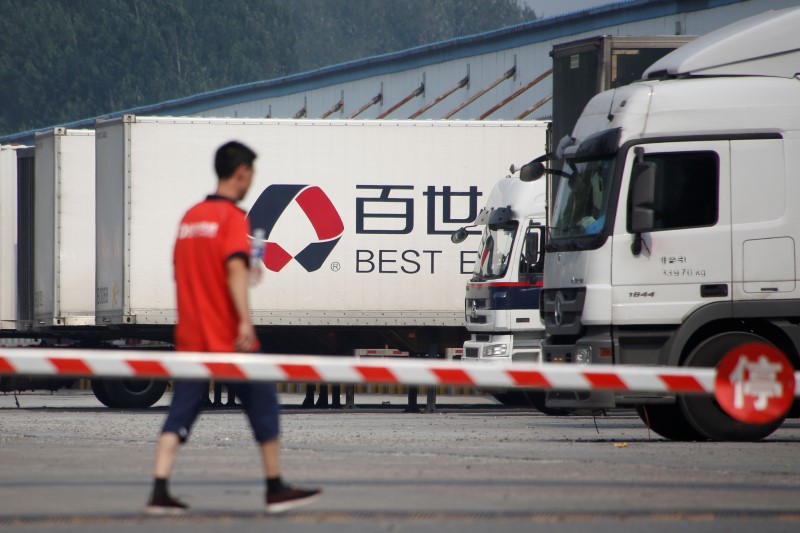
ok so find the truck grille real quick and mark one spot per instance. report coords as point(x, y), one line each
point(471, 353)
point(473, 305)
point(562, 310)
point(479, 303)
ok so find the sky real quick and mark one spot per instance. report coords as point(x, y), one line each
point(549, 8)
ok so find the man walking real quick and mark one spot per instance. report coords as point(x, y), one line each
point(211, 261)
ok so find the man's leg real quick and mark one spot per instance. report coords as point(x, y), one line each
point(260, 402)
point(166, 453)
point(271, 457)
point(187, 401)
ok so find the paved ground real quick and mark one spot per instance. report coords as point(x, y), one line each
point(68, 464)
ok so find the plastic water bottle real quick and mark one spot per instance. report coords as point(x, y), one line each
point(256, 256)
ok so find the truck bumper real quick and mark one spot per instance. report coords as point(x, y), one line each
point(514, 349)
point(503, 349)
point(590, 350)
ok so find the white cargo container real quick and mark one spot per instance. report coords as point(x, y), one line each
point(8, 237)
point(64, 226)
point(358, 214)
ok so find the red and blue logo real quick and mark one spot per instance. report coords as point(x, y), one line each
point(317, 207)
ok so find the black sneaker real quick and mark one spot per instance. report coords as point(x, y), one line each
point(290, 498)
point(166, 505)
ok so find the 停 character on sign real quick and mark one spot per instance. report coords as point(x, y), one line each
point(757, 379)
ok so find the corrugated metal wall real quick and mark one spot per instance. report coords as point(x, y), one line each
point(530, 60)
point(496, 64)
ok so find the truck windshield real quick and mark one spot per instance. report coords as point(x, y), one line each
point(582, 198)
point(495, 251)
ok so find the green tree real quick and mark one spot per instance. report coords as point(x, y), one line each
point(334, 31)
point(64, 60)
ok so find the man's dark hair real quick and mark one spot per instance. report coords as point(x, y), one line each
point(229, 156)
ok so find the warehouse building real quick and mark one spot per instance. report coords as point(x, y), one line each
point(502, 74)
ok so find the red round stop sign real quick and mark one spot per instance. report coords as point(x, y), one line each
point(755, 383)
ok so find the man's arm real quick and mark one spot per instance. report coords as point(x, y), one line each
point(237, 284)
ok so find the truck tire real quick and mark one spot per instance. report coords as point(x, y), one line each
point(128, 393)
point(99, 390)
point(794, 410)
point(703, 412)
point(668, 421)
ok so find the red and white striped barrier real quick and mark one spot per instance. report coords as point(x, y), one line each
point(305, 369)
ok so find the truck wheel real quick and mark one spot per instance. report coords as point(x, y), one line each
point(128, 393)
point(794, 410)
point(99, 390)
point(703, 412)
point(668, 421)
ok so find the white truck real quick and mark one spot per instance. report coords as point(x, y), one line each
point(64, 227)
point(673, 234)
point(502, 296)
point(357, 217)
point(15, 187)
point(8, 238)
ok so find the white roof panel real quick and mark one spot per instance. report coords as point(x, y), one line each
point(764, 45)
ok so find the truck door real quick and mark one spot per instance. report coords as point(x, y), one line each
point(764, 247)
point(531, 264)
point(685, 261)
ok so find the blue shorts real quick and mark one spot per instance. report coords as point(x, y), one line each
point(260, 402)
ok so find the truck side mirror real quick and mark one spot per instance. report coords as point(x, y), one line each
point(532, 171)
point(643, 196)
point(459, 236)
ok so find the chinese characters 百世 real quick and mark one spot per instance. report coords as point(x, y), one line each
point(390, 210)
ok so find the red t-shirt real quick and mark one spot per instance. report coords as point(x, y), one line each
point(210, 233)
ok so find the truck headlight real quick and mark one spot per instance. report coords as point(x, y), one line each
point(583, 355)
point(495, 350)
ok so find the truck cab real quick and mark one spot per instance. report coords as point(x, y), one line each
point(502, 296)
point(672, 234)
